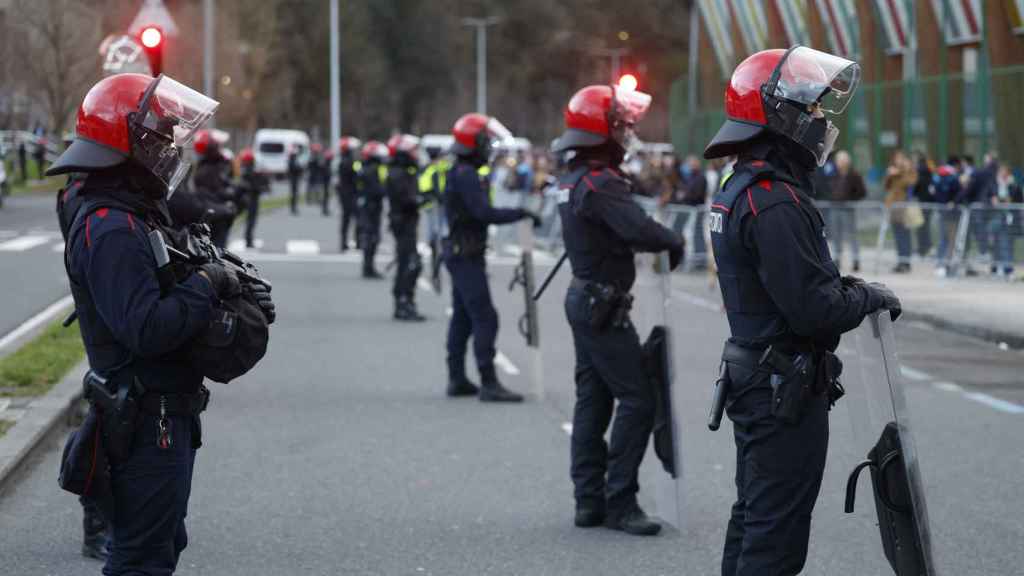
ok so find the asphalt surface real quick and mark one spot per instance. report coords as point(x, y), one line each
point(31, 270)
point(340, 454)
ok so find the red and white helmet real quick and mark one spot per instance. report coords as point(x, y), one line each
point(788, 92)
point(600, 113)
point(406, 143)
point(349, 144)
point(316, 148)
point(209, 141)
point(475, 134)
point(146, 120)
point(246, 157)
point(374, 150)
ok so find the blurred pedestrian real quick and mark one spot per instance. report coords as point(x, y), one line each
point(694, 195)
point(924, 192)
point(947, 190)
point(314, 174)
point(1006, 224)
point(294, 174)
point(981, 187)
point(847, 190)
point(899, 178)
point(348, 168)
point(253, 185)
point(39, 155)
point(22, 161)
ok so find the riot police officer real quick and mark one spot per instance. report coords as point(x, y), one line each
point(128, 145)
point(253, 185)
point(212, 183)
point(468, 207)
point(316, 174)
point(432, 186)
point(348, 167)
point(371, 190)
point(785, 300)
point(404, 213)
point(603, 227)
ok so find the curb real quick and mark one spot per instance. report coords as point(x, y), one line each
point(41, 417)
point(1013, 340)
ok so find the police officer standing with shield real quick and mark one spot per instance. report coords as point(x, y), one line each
point(404, 215)
point(138, 330)
point(784, 298)
point(348, 168)
point(603, 227)
point(468, 207)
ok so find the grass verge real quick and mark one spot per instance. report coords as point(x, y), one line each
point(36, 184)
point(5, 425)
point(35, 367)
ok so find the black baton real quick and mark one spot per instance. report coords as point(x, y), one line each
point(718, 400)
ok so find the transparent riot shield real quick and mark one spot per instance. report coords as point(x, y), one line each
point(524, 280)
point(892, 503)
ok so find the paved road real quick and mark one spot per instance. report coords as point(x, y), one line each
point(340, 455)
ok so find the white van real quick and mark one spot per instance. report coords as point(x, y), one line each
point(270, 149)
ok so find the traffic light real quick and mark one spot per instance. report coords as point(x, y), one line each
point(152, 39)
point(628, 82)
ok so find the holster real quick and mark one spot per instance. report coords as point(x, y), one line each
point(466, 245)
point(607, 306)
point(792, 381)
point(117, 402)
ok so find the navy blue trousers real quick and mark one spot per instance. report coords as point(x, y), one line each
point(151, 491)
point(473, 314)
point(779, 467)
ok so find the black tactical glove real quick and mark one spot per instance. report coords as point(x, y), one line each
point(675, 256)
point(889, 300)
point(532, 216)
point(261, 294)
point(224, 281)
point(851, 281)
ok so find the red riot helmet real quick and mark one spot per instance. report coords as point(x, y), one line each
point(600, 113)
point(316, 148)
point(210, 142)
point(475, 135)
point(138, 118)
point(374, 150)
point(246, 157)
point(787, 92)
point(404, 143)
point(349, 144)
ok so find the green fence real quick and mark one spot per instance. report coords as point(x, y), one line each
point(941, 115)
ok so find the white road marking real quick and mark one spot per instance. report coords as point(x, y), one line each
point(567, 428)
point(23, 243)
point(909, 372)
point(58, 247)
point(422, 284)
point(49, 313)
point(993, 402)
point(238, 245)
point(4, 403)
point(947, 386)
point(505, 364)
point(302, 247)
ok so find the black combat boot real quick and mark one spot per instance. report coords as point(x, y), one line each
point(95, 543)
point(633, 521)
point(491, 389)
point(411, 313)
point(589, 514)
point(462, 387)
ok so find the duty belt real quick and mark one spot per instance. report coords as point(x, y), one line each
point(177, 404)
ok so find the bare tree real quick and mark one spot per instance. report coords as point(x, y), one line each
point(57, 45)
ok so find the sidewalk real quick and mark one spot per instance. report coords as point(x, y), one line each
point(981, 307)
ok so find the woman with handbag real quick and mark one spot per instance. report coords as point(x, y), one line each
point(899, 177)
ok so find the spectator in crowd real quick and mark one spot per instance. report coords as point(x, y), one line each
point(899, 178)
point(847, 189)
point(946, 182)
point(694, 188)
point(23, 161)
point(522, 177)
point(978, 192)
point(924, 191)
point(40, 157)
point(1007, 224)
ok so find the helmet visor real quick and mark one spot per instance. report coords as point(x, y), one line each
point(630, 105)
point(808, 77)
point(175, 110)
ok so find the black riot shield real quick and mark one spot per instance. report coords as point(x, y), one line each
point(883, 434)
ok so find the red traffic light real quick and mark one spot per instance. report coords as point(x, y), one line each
point(151, 37)
point(628, 82)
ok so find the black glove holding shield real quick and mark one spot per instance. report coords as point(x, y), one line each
point(225, 282)
point(885, 298)
point(261, 296)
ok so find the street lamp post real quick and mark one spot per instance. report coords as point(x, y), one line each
point(335, 75)
point(616, 55)
point(481, 25)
